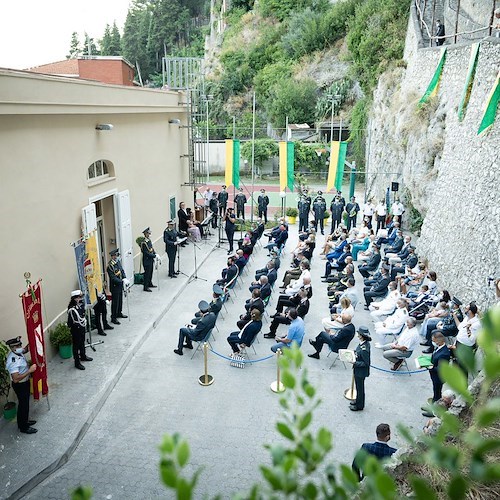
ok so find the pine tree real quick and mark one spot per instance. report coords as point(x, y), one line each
point(74, 48)
point(115, 45)
point(105, 42)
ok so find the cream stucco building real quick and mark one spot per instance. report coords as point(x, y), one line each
point(55, 162)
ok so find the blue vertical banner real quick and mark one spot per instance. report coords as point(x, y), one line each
point(80, 257)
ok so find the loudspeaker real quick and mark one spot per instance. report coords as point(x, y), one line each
point(394, 186)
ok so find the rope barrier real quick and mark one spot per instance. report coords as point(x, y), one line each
point(241, 360)
point(397, 372)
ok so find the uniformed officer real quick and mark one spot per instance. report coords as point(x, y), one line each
point(361, 368)
point(101, 312)
point(214, 208)
point(222, 199)
point(230, 227)
point(148, 257)
point(319, 209)
point(117, 279)
point(303, 208)
point(170, 238)
point(262, 203)
point(20, 372)
point(239, 200)
point(77, 323)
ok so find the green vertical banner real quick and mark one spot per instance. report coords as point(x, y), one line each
point(232, 173)
point(286, 163)
point(340, 166)
point(236, 164)
point(469, 81)
point(433, 87)
point(490, 111)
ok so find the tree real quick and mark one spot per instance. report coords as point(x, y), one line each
point(90, 48)
point(74, 48)
point(105, 41)
point(115, 48)
point(264, 150)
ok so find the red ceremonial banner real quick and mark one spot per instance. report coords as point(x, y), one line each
point(32, 305)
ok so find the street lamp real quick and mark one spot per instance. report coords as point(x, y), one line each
point(283, 198)
point(207, 98)
point(335, 98)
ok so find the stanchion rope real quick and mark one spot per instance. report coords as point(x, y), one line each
point(397, 372)
point(241, 360)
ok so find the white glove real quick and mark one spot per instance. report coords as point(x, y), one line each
point(126, 282)
point(158, 258)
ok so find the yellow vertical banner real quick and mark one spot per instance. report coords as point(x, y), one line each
point(283, 164)
point(229, 163)
point(92, 268)
point(334, 161)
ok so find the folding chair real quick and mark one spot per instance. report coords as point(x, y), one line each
point(336, 357)
point(230, 286)
point(201, 342)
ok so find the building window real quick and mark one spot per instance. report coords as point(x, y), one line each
point(100, 170)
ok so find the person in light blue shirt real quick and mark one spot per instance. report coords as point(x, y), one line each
point(296, 331)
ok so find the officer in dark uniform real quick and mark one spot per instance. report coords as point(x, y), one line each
point(101, 312)
point(148, 257)
point(230, 228)
point(116, 276)
point(336, 208)
point(319, 209)
point(170, 238)
point(303, 208)
point(77, 323)
point(361, 367)
point(239, 200)
point(20, 372)
point(214, 208)
point(262, 203)
point(222, 199)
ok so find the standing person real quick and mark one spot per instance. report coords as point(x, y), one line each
point(207, 196)
point(77, 323)
point(262, 203)
point(222, 199)
point(361, 368)
point(20, 371)
point(368, 211)
point(336, 208)
point(116, 280)
point(239, 200)
point(303, 208)
point(148, 257)
point(439, 33)
point(230, 227)
point(441, 354)
point(319, 209)
point(101, 311)
point(183, 216)
point(352, 209)
point(170, 238)
point(398, 210)
point(214, 208)
point(381, 213)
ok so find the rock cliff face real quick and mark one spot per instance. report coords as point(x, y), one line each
point(449, 173)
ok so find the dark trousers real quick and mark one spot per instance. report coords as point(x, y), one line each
point(321, 224)
point(222, 209)
point(322, 339)
point(116, 302)
point(360, 391)
point(230, 238)
point(437, 386)
point(148, 274)
point(303, 222)
point(369, 296)
point(365, 272)
point(214, 221)
point(335, 224)
point(380, 222)
point(234, 340)
point(171, 253)
point(351, 222)
point(283, 301)
point(263, 214)
point(78, 336)
point(240, 212)
point(278, 320)
point(395, 271)
point(100, 311)
point(185, 333)
point(22, 390)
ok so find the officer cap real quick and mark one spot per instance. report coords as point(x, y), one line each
point(456, 301)
point(14, 342)
point(114, 252)
point(320, 193)
point(364, 332)
point(241, 189)
point(203, 306)
point(147, 230)
point(76, 293)
point(224, 187)
point(170, 222)
point(217, 289)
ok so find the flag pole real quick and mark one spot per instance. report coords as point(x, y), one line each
point(253, 155)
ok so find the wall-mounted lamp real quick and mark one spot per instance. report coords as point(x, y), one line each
point(174, 121)
point(104, 126)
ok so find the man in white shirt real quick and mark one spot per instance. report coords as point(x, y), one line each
point(395, 322)
point(381, 212)
point(404, 346)
point(368, 211)
point(397, 210)
point(303, 279)
point(386, 306)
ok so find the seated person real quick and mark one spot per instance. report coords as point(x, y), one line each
point(397, 244)
point(293, 300)
point(403, 347)
point(386, 306)
point(372, 264)
point(338, 249)
point(300, 302)
point(197, 333)
point(247, 333)
point(350, 291)
point(264, 270)
point(408, 263)
point(337, 264)
point(334, 322)
point(215, 304)
point(295, 334)
point(395, 257)
point(392, 232)
point(380, 449)
point(228, 273)
point(360, 247)
point(431, 320)
point(193, 231)
point(240, 261)
point(255, 302)
point(279, 241)
point(275, 231)
point(378, 289)
point(419, 297)
point(338, 340)
point(293, 274)
point(296, 285)
point(262, 285)
point(393, 323)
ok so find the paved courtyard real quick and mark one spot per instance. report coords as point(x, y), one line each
point(105, 424)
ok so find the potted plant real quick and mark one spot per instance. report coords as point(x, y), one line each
point(9, 408)
point(60, 338)
point(291, 213)
point(326, 216)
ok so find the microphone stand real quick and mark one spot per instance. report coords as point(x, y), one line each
point(195, 275)
point(179, 261)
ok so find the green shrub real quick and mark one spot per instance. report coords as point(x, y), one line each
point(264, 149)
point(281, 9)
point(61, 335)
point(269, 76)
point(359, 122)
point(4, 373)
point(307, 158)
point(291, 212)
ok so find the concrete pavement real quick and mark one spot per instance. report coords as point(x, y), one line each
point(105, 424)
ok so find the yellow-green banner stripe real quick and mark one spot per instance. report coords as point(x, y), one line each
point(433, 87)
point(469, 81)
point(490, 111)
